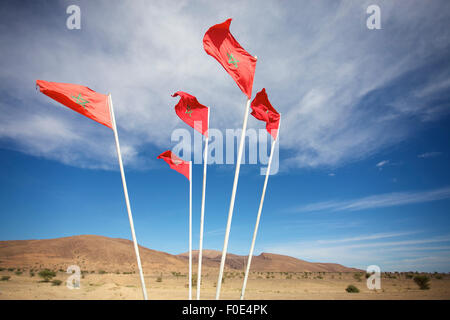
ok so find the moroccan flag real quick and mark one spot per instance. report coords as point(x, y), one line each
point(221, 45)
point(81, 99)
point(262, 110)
point(175, 163)
point(192, 112)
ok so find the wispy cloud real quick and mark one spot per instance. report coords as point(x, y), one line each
point(378, 201)
point(429, 154)
point(382, 163)
point(364, 250)
point(349, 104)
point(366, 237)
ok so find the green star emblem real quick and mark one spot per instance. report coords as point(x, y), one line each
point(188, 110)
point(82, 102)
point(232, 60)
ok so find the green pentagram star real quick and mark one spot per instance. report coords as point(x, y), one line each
point(188, 110)
point(232, 60)
point(82, 102)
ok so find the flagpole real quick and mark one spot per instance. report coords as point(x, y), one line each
point(190, 230)
point(233, 194)
point(127, 201)
point(200, 247)
point(252, 247)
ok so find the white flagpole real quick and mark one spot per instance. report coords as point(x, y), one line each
point(190, 230)
point(127, 201)
point(200, 247)
point(233, 194)
point(250, 255)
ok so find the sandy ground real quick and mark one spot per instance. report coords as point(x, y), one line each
point(260, 286)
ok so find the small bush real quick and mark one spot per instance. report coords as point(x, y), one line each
point(56, 282)
point(2, 269)
point(101, 271)
point(409, 276)
point(11, 269)
point(31, 274)
point(194, 280)
point(47, 275)
point(357, 276)
point(423, 282)
point(159, 279)
point(5, 278)
point(352, 289)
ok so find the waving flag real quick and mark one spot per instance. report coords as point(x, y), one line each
point(191, 111)
point(175, 163)
point(81, 99)
point(219, 43)
point(263, 110)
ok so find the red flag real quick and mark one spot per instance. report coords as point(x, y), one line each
point(175, 163)
point(192, 112)
point(262, 110)
point(221, 45)
point(81, 99)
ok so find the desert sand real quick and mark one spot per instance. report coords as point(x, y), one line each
point(108, 272)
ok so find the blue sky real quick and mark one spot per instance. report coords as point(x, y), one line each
point(364, 148)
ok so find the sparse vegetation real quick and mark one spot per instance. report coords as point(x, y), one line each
point(159, 279)
point(46, 275)
point(31, 274)
point(18, 273)
point(352, 289)
point(357, 277)
point(56, 282)
point(422, 281)
point(11, 269)
point(101, 271)
point(194, 280)
point(5, 278)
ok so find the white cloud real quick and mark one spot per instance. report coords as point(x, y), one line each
point(429, 154)
point(378, 201)
point(382, 163)
point(366, 237)
point(322, 68)
point(400, 255)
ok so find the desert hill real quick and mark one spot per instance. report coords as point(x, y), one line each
point(93, 253)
